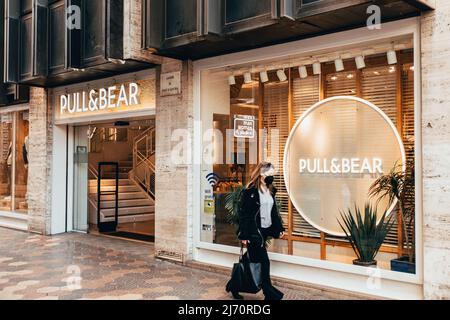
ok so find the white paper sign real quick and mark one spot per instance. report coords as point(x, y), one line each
point(170, 84)
point(244, 126)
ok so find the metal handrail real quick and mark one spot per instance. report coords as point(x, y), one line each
point(142, 160)
point(93, 171)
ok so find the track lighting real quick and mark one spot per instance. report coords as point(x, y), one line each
point(339, 64)
point(281, 75)
point(247, 78)
point(360, 63)
point(303, 72)
point(263, 76)
point(392, 57)
point(232, 80)
point(317, 68)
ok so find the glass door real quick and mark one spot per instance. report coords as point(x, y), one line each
point(81, 181)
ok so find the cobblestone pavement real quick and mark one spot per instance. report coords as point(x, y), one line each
point(77, 266)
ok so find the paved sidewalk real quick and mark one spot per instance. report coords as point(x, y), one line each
point(77, 266)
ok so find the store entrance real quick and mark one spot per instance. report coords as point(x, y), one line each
point(115, 169)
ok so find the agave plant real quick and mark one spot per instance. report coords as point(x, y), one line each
point(399, 185)
point(364, 233)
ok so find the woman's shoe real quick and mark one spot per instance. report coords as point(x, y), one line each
point(237, 296)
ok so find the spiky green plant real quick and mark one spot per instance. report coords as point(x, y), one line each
point(364, 233)
point(232, 201)
point(399, 185)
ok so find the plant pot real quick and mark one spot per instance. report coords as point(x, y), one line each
point(403, 265)
point(364, 263)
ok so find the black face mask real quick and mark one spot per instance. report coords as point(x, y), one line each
point(269, 180)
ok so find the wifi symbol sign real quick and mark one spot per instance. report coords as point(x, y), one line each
point(213, 179)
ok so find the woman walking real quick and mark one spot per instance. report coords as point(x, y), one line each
point(258, 220)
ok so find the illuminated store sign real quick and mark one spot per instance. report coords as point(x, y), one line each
point(104, 98)
point(334, 153)
point(341, 166)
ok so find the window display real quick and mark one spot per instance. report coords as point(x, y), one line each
point(14, 142)
point(248, 113)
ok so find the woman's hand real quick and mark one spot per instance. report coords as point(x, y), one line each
point(244, 242)
point(282, 234)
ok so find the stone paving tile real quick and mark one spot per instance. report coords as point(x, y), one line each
point(77, 266)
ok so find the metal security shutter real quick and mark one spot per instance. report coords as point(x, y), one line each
point(276, 117)
point(305, 93)
point(40, 37)
point(379, 86)
point(12, 15)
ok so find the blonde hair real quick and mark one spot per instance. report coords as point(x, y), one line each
point(256, 179)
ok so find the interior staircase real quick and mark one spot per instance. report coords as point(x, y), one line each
point(136, 191)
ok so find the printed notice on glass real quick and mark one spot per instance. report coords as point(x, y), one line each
point(244, 126)
point(170, 84)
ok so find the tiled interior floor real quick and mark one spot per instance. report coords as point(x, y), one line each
point(79, 266)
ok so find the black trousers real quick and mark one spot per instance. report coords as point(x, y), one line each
point(258, 254)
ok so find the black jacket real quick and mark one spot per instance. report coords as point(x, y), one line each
point(250, 218)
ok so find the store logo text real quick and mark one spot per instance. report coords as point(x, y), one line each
point(341, 166)
point(105, 98)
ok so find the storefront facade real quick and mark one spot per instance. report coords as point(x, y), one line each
point(332, 112)
point(276, 89)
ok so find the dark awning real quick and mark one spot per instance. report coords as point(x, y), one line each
point(285, 21)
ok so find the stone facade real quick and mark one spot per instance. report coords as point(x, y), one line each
point(133, 23)
point(173, 219)
point(436, 150)
point(40, 152)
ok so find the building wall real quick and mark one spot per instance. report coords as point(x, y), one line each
point(436, 150)
point(133, 23)
point(173, 216)
point(40, 152)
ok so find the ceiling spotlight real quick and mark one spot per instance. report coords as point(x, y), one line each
point(339, 64)
point(392, 57)
point(317, 68)
point(281, 75)
point(392, 69)
point(360, 63)
point(303, 72)
point(334, 78)
point(350, 76)
point(247, 78)
point(263, 76)
point(232, 80)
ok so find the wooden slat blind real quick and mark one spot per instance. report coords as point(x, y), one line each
point(276, 117)
point(379, 86)
point(305, 93)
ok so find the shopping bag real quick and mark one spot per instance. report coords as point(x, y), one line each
point(246, 275)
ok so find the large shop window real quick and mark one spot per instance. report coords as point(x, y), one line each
point(248, 113)
point(14, 162)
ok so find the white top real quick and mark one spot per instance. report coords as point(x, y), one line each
point(266, 201)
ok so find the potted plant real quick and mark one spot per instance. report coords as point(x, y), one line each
point(364, 233)
point(399, 185)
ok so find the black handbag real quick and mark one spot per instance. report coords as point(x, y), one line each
point(246, 275)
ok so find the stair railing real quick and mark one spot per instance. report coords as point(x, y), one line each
point(143, 167)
